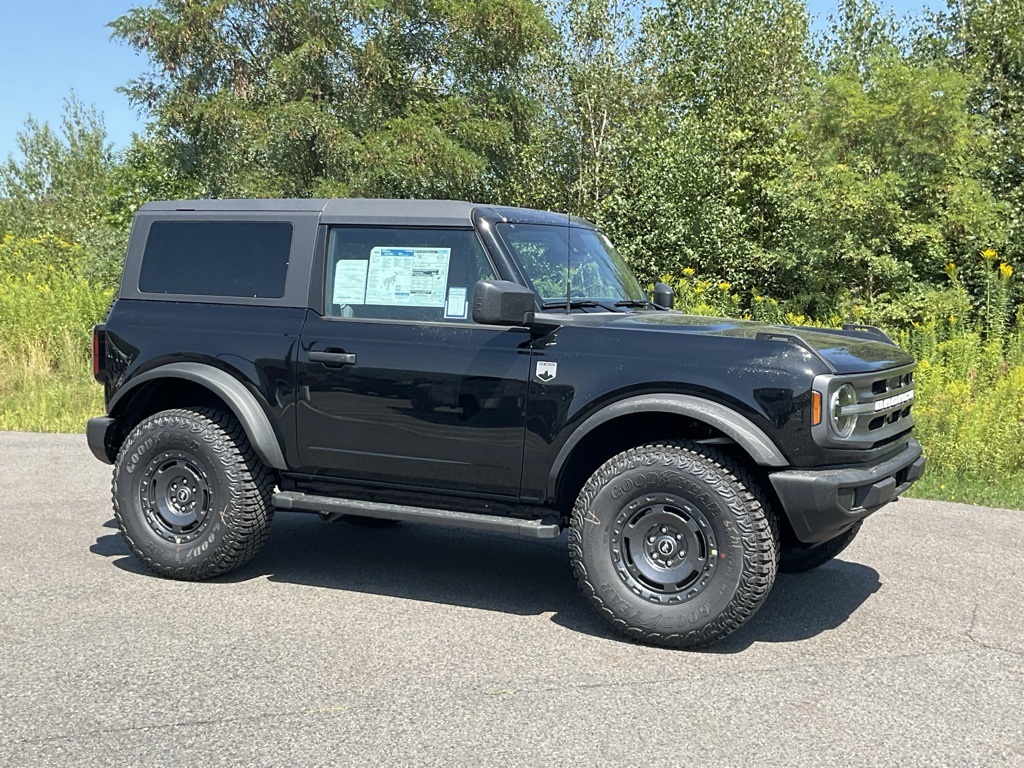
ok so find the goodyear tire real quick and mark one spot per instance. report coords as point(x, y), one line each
point(800, 560)
point(190, 495)
point(672, 546)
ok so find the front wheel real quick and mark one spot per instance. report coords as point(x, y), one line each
point(192, 498)
point(672, 546)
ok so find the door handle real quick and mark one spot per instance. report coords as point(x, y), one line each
point(331, 357)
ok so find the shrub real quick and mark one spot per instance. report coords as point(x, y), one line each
point(46, 312)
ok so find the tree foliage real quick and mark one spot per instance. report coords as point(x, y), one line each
point(328, 97)
point(60, 186)
point(847, 174)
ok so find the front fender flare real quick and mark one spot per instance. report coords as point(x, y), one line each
point(747, 435)
point(241, 401)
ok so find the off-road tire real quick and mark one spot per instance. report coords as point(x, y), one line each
point(658, 496)
point(224, 511)
point(800, 560)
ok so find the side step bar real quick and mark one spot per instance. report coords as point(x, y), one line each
point(532, 529)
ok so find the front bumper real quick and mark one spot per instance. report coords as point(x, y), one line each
point(822, 503)
point(100, 432)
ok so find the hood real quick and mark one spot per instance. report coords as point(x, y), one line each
point(844, 351)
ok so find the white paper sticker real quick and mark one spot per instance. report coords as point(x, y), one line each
point(350, 282)
point(456, 308)
point(407, 277)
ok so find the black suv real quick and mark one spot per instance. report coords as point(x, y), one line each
point(491, 368)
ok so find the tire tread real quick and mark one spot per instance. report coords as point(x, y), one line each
point(248, 514)
point(757, 525)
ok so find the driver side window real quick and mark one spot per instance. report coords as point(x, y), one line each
point(393, 273)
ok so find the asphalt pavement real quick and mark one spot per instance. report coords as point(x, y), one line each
point(417, 645)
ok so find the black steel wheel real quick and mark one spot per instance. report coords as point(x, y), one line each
point(174, 495)
point(664, 548)
point(800, 559)
point(190, 495)
point(672, 546)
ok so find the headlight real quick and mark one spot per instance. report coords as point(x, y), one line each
point(843, 426)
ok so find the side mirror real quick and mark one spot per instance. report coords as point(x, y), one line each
point(664, 296)
point(500, 302)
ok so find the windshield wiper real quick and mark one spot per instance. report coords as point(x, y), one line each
point(571, 304)
point(636, 303)
point(617, 306)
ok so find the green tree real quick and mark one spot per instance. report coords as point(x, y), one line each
point(387, 97)
point(988, 39)
point(59, 185)
point(588, 85)
point(887, 185)
point(693, 190)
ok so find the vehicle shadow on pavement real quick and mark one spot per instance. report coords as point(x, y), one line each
point(802, 606)
point(502, 573)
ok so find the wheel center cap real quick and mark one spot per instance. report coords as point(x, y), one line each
point(666, 547)
point(184, 495)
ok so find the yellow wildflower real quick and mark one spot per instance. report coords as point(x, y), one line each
point(988, 254)
point(951, 269)
point(724, 286)
point(688, 271)
point(1005, 270)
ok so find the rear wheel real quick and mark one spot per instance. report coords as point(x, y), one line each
point(672, 546)
point(190, 495)
point(800, 560)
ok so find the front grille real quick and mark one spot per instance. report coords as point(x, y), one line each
point(882, 409)
point(890, 399)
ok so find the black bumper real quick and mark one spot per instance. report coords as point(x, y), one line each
point(101, 433)
point(822, 503)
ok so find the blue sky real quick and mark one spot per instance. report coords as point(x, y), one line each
point(53, 47)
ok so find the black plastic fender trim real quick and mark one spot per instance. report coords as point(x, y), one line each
point(239, 399)
point(739, 428)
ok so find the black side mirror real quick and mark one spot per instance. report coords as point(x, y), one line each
point(664, 296)
point(500, 302)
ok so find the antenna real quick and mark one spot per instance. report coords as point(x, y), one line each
point(568, 262)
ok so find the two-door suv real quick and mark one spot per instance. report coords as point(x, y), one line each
point(486, 367)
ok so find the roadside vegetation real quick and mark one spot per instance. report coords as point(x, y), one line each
point(873, 173)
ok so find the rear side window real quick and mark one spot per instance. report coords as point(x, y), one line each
point(217, 258)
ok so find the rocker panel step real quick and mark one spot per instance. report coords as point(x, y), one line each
point(532, 529)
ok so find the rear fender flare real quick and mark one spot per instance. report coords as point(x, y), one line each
point(239, 399)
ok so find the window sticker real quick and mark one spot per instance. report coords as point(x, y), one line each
point(455, 308)
point(407, 277)
point(350, 282)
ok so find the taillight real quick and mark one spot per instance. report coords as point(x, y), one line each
point(98, 354)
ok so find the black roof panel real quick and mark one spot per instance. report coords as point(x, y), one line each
point(448, 213)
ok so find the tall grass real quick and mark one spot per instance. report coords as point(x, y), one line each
point(969, 414)
point(46, 313)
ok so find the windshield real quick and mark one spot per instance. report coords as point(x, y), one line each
point(591, 270)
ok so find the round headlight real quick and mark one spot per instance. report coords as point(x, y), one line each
point(843, 426)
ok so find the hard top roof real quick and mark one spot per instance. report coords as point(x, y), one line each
point(447, 213)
